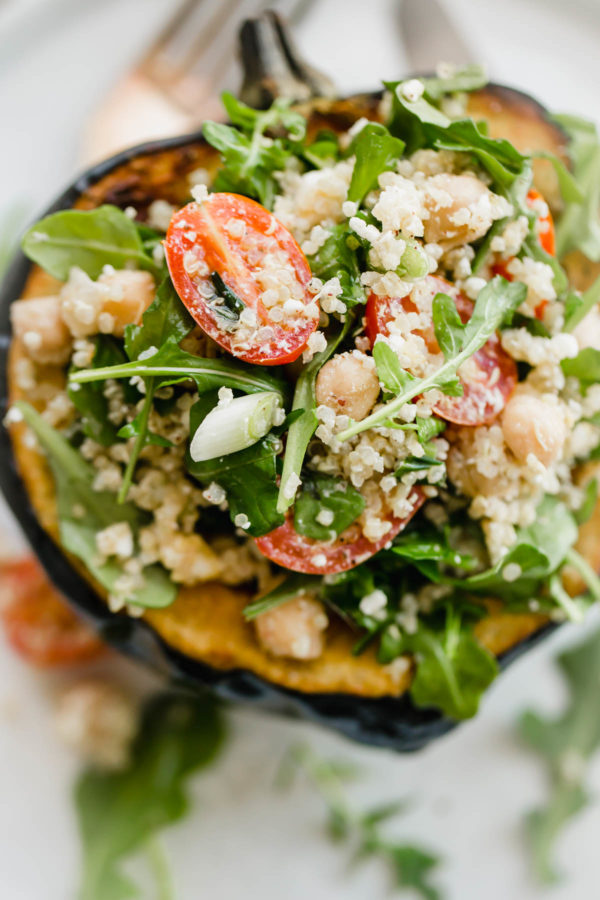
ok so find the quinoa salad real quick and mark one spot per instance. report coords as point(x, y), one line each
point(350, 375)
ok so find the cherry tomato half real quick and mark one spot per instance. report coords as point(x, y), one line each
point(37, 621)
point(489, 377)
point(230, 245)
point(299, 553)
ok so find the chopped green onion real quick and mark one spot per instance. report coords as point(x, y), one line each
point(235, 425)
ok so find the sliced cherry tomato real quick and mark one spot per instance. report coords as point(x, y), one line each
point(299, 553)
point(489, 377)
point(227, 245)
point(37, 621)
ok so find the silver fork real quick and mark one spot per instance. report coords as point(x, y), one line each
point(175, 85)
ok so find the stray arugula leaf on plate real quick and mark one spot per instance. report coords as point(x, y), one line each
point(121, 812)
point(411, 866)
point(565, 743)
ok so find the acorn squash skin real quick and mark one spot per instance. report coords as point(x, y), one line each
point(160, 170)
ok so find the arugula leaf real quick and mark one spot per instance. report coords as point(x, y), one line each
point(392, 376)
point(248, 476)
point(323, 151)
point(577, 308)
point(166, 321)
point(579, 226)
point(294, 585)
point(540, 551)
point(376, 151)
point(89, 239)
point(585, 367)
point(448, 325)
point(249, 158)
point(421, 124)
point(566, 744)
point(83, 512)
point(172, 365)
point(453, 668)
point(324, 492)
point(336, 258)
point(498, 298)
point(120, 812)
point(471, 77)
point(303, 428)
point(89, 399)
point(411, 866)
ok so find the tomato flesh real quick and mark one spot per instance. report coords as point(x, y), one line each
point(38, 623)
point(488, 378)
point(239, 241)
point(546, 233)
point(285, 547)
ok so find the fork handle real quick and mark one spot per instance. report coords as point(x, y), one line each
point(272, 66)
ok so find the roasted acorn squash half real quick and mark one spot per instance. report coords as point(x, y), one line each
point(202, 639)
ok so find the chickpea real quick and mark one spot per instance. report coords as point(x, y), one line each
point(348, 384)
point(128, 296)
point(38, 323)
point(459, 209)
point(531, 425)
point(295, 629)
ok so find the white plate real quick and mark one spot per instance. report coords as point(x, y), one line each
point(471, 788)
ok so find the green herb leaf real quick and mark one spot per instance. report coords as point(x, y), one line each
point(376, 151)
point(453, 668)
point(495, 301)
point(166, 319)
point(565, 744)
point(335, 258)
point(579, 225)
point(421, 124)
point(303, 428)
point(249, 158)
point(121, 812)
point(540, 551)
point(468, 78)
point(89, 239)
point(585, 367)
point(410, 866)
point(391, 375)
point(448, 325)
point(324, 492)
point(172, 365)
point(83, 512)
point(577, 308)
point(89, 399)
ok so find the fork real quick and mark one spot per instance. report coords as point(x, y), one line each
point(176, 83)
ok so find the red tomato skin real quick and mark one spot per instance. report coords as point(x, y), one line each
point(285, 547)
point(200, 229)
point(547, 236)
point(485, 394)
point(37, 622)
